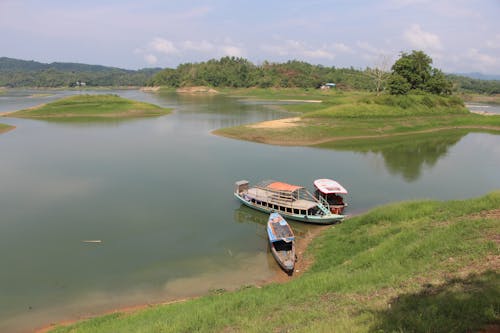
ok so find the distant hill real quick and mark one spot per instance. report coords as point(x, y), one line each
point(481, 76)
point(29, 73)
point(468, 84)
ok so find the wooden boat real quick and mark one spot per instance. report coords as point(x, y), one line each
point(281, 241)
point(291, 201)
point(331, 191)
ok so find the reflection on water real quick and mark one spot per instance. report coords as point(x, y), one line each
point(405, 155)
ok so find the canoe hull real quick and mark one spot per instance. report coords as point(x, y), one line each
point(285, 260)
point(313, 219)
point(281, 242)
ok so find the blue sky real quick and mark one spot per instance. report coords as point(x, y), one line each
point(460, 35)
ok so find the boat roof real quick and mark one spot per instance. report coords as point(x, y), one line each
point(328, 186)
point(280, 186)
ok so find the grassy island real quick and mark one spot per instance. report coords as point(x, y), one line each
point(425, 266)
point(5, 128)
point(92, 106)
point(341, 115)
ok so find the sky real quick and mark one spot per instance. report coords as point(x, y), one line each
point(461, 36)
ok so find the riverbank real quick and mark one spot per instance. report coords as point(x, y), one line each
point(422, 266)
point(91, 106)
point(303, 263)
point(356, 115)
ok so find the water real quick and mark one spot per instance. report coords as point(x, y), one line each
point(158, 193)
point(483, 107)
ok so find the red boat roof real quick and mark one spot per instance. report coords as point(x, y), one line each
point(279, 186)
point(328, 186)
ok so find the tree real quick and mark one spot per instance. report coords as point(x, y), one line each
point(379, 73)
point(398, 85)
point(438, 83)
point(415, 68)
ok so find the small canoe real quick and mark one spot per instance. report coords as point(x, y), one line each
point(281, 242)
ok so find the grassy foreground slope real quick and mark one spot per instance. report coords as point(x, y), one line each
point(90, 106)
point(422, 266)
point(357, 115)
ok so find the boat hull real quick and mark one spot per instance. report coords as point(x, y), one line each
point(285, 260)
point(313, 219)
point(281, 242)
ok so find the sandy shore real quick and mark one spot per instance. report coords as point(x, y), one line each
point(302, 264)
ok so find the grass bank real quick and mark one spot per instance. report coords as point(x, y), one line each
point(357, 115)
point(5, 128)
point(91, 106)
point(423, 266)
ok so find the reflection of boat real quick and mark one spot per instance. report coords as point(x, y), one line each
point(331, 191)
point(281, 241)
point(291, 201)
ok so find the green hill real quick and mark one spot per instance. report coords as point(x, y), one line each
point(23, 73)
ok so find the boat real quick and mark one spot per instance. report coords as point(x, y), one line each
point(291, 201)
point(331, 191)
point(281, 242)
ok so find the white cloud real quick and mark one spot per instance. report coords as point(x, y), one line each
point(203, 46)
point(421, 39)
point(494, 43)
point(163, 46)
point(232, 51)
point(293, 48)
point(365, 46)
point(481, 60)
point(341, 47)
point(151, 59)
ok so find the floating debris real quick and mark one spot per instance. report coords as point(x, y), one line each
point(97, 241)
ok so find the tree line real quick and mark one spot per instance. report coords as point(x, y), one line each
point(412, 72)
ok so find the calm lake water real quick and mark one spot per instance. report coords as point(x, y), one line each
point(158, 193)
point(490, 108)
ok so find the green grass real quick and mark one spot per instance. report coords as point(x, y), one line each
point(361, 115)
point(92, 106)
point(422, 266)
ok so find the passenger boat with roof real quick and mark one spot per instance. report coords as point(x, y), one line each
point(281, 242)
point(291, 201)
point(331, 191)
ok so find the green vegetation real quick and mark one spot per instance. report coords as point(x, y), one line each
point(241, 73)
point(477, 86)
point(92, 106)
point(5, 128)
point(21, 73)
point(361, 116)
point(422, 266)
point(413, 72)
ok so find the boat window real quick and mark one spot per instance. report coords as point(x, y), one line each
point(288, 210)
point(296, 211)
point(303, 212)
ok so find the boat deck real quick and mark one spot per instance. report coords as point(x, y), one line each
point(273, 197)
point(281, 230)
